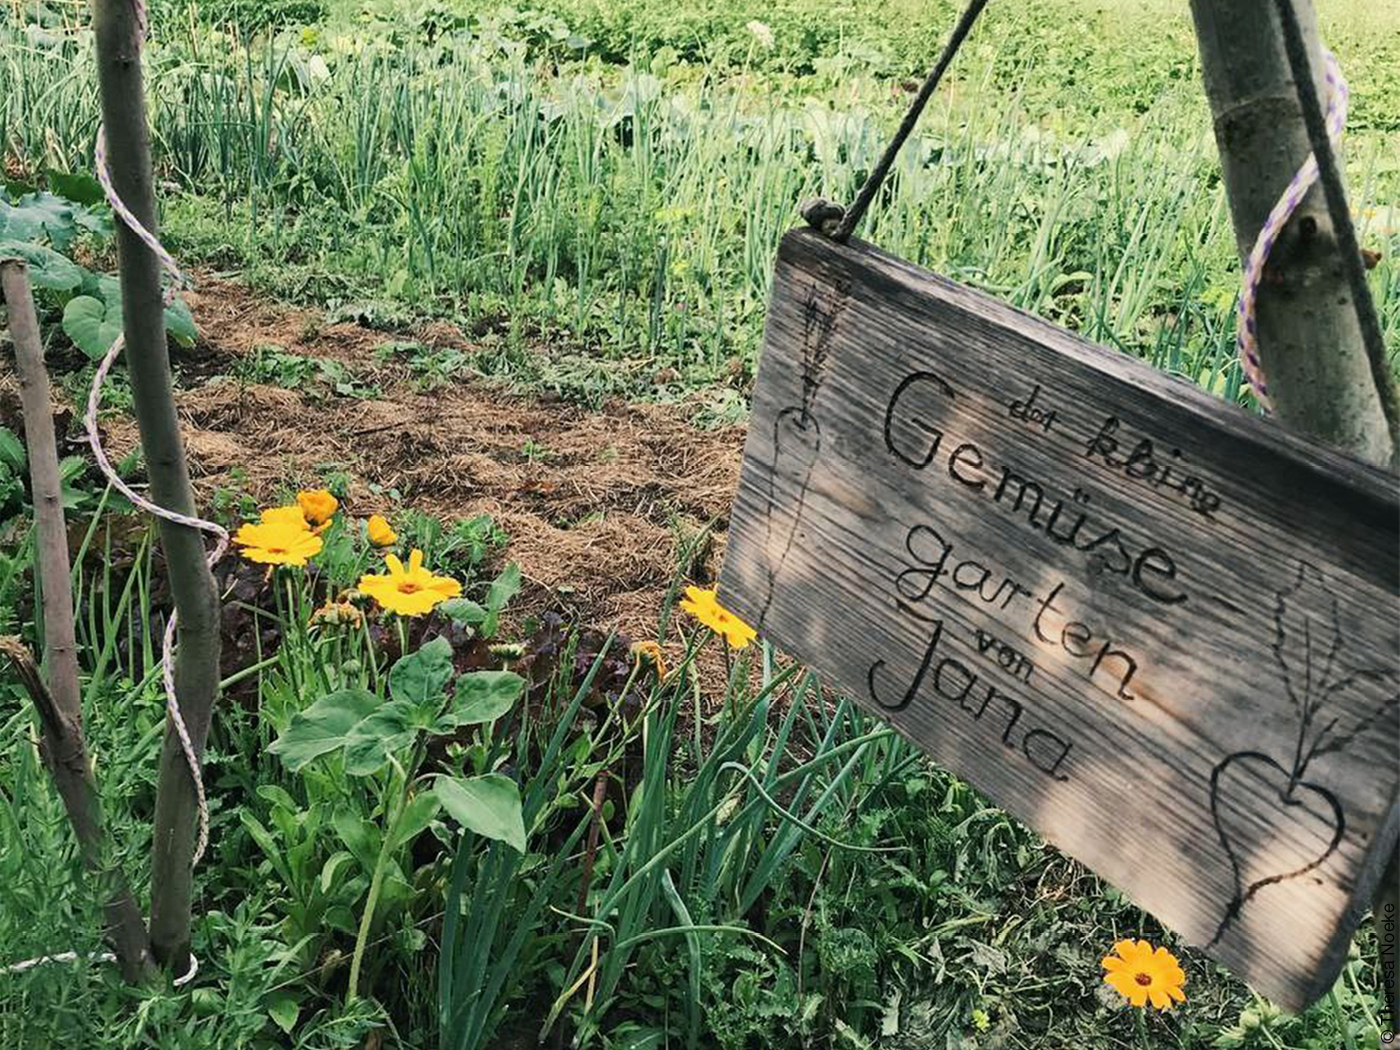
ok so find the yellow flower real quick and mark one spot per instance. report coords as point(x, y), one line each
point(409, 592)
point(650, 652)
point(318, 505)
point(1138, 973)
point(277, 542)
point(284, 515)
point(380, 533)
point(705, 607)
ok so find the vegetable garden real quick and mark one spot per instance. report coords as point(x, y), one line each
point(463, 364)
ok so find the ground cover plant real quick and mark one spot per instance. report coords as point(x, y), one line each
point(556, 808)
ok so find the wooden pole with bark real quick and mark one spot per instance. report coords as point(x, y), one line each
point(1311, 343)
point(117, 32)
point(59, 702)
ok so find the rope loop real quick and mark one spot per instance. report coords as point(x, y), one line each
point(220, 534)
point(1246, 323)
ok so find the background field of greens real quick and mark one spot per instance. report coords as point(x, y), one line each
point(596, 189)
point(604, 183)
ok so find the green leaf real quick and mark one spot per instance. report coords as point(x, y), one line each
point(503, 588)
point(416, 816)
point(419, 678)
point(283, 1008)
point(92, 324)
point(462, 612)
point(370, 742)
point(77, 187)
point(267, 843)
point(482, 696)
point(11, 450)
point(488, 805)
point(47, 269)
point(179, 322)
point(361, 837)
point(324, 726)
point(36, 217)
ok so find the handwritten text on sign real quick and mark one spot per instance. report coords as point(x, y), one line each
point(1162, 632)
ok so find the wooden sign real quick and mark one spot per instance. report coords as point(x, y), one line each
point(1161, 631)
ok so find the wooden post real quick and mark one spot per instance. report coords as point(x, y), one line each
point(59, 703)
point(196, 600)
point(1309, 337)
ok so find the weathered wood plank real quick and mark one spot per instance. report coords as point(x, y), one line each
point(1159, 630)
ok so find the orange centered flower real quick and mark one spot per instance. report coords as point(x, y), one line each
point(318, 505)
point(705, 607)
point(1141, 974)
point(284, 516)
point(277, 542)
point(380, 532)
point(409, 592)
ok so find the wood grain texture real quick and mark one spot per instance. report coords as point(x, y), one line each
point(1159, 630)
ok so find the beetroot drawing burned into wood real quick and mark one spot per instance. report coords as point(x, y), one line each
point(1160, 631)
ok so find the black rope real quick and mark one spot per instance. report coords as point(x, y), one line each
point(857, 211)
point(1335, 194)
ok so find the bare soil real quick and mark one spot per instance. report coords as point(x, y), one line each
point(597, 505)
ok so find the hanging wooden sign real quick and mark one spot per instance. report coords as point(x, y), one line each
point(1161, 631)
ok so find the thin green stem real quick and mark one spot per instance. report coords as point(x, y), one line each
point(1347, 1040)
point(381, 865)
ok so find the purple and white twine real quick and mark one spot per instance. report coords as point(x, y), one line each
point(220, 534)
point(1246, 334)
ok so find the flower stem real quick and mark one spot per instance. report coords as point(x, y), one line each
point(1141, 1026)
point(1347, 1040)
point(381, 865)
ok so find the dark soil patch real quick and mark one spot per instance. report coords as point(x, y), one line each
point(597, 505)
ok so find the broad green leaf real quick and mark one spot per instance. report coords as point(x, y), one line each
point(503, 588)
point(463, 612)
point(420, 678)
point(36, 217)
point(324, 726)
point(417, 816)
point(283, 1008)
point(106, 289)
point(372, 740)
point(12, 450)
point(47, 269)
point(481, 696)
point(92, 324)
point(77, 187)
point(488, 805)
point(332, 866)
point(360, 836)
point(179, 322)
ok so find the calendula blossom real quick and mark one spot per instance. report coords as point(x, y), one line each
point(1141, 974)
point(284, 516)
point(411, 591)
point(651, 653)
point(381, 534)
point(705, 607)
point(318, 505)
point(277, 542)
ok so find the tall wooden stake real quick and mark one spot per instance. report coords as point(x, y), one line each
point(1309, 338)
point(59, 702)
point(1310, 341)
point(191, 584)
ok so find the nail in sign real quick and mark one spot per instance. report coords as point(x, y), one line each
point(1161, 631)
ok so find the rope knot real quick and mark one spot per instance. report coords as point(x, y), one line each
point(822, 215)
